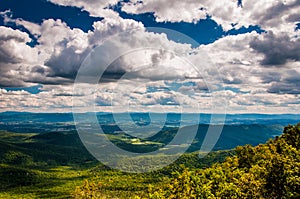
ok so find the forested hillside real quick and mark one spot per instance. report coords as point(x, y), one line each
point(270, 170)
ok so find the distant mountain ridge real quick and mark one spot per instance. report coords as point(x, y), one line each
point(231, 136)
point(12, 116)
point(25, 122)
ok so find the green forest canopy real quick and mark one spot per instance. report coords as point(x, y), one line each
point(270, 170)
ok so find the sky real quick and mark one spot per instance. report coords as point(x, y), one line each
point(233, 56)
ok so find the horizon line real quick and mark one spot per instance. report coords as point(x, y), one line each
point(106, 112)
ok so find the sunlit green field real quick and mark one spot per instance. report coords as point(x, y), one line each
point(58, 182)
point(61, 182)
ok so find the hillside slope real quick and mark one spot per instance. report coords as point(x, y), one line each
point(270, 170)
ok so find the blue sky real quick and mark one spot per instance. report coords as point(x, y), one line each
point(37, 11)
point(203, 53)
point(77, 18)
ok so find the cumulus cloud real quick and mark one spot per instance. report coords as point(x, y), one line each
point(15, 57)
point(94, 7)
point(13, 48)
point(285, 88)
point(110, 26)
point(59, 52)
point(259, 71)
point(63, 48)
point(139, 54)
point(270, 15)
point(22, 65)
point(277, 49)
point(166, 10)
point(288, 84)
point(242, 60)
point(236, 61)
point(56, 98)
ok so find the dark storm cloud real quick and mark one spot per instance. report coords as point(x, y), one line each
point(101, 101)
point(67, 95)
point(49, 80)
point(44, 75)
point(277, 50)
point(235, 80)
point(289, 84)
point(7, 57)
point(66, 64)
point(271, 77)
point(294, 18)
point(111, 76)
point(284, 88)
point(39, 69)
point(279, 9)
point(10, 81)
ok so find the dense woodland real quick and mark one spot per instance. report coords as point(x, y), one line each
point(270, 170)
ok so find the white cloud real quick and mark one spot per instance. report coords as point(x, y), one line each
point(166, 10)
point(13, 46)
point(277, 49)
point(58, 54)
point(62, 48)
point(15, 56)
point(56, 98)
point(94, 7)
point(149, 58)
point(278, 16)
point(110, 27)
